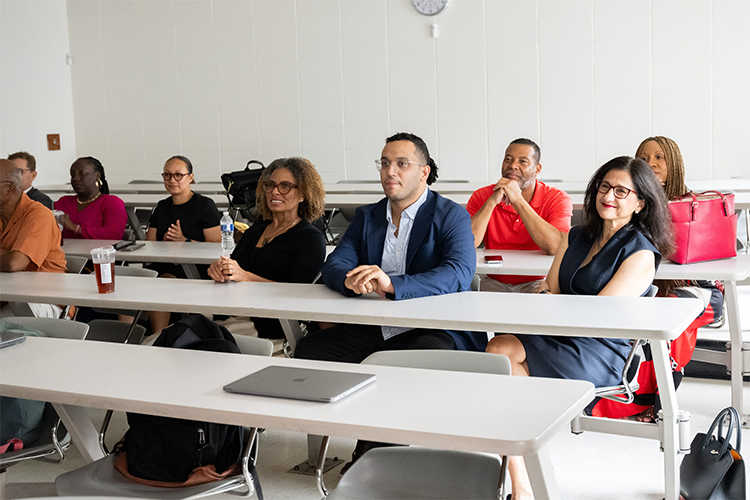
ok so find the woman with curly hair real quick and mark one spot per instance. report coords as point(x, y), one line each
point(284, 246)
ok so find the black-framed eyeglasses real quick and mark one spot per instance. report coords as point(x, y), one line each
point(284, 187)
point(178, 176)
point(621, 192)
point(401, 163)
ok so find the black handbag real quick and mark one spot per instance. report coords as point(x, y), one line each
point(714, 470)
point(241, 185)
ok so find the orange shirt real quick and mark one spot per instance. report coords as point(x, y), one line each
point(32, 230)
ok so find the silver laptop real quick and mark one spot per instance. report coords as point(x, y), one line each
point(300, 383)
point(10, 338)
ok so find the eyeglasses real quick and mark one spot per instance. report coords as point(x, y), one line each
point(621, 192)
point(178, 176)
point(283, 187)
point(402, 164)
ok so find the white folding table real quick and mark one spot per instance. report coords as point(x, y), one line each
point(444, 410)
point(171, 252)
point(655, 319)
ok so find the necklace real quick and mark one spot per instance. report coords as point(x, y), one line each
point(267, 239)
point(89, 201)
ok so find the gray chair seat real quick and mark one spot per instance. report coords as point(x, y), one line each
point(100, 478)
point(420, 474)
point(401, 473)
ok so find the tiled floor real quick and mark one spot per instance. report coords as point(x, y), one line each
point(588, 466)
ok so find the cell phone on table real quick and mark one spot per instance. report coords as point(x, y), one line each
point(121, 245)
point(130, 248)
point(493, 259)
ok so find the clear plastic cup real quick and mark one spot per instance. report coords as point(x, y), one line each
point(104, 267)
point(59, 215)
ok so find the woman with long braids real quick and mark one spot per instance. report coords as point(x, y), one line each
point(92, 213)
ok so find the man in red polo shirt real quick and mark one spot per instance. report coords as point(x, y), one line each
point(519, 212)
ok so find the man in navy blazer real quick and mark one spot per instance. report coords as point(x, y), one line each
point(413, 243)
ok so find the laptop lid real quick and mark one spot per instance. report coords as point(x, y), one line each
point(10, 338)
point(300, 383)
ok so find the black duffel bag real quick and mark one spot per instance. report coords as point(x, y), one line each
point(241, 185)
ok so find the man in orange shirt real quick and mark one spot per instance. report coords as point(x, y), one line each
point(29, 235)
point(519, 212)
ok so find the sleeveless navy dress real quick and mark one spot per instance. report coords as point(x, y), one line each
point(598, 360)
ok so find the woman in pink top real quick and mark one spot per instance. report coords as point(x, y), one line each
point(92, 213)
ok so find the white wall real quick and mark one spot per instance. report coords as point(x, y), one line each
point(225, 81)
point(35, 87)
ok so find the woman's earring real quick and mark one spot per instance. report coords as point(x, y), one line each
point(99, 183)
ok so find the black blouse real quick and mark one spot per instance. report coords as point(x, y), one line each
point(197, 214)
point(295, 256)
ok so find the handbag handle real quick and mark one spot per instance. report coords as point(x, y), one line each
point(731, 412)
point(694, 204)
point(247, 167)
point(734, 420)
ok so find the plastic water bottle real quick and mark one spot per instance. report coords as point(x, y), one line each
point(227, 235)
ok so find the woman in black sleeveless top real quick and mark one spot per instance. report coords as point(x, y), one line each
point(616, 252)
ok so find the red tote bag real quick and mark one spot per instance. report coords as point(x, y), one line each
point(705, 227)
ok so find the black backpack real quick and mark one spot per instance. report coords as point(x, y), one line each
point(169, 449)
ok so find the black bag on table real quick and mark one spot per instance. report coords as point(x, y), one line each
point(169, 449)
point(714, 470)
point(241, 185)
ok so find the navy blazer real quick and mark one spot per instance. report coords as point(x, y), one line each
point(440, 257)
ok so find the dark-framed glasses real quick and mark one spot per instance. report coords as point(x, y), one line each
point(178, 176)
point(401, 163)
point(284, 187)
point(621, 192)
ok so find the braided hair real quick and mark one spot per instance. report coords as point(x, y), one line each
point(98, 167)
point(675, 183)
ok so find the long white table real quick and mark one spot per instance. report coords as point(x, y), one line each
point(185, 254)
point(138, 187)
point(171, 252)
point(657, 320)
point(575, 187)
point(444, 410)
point(730, 271)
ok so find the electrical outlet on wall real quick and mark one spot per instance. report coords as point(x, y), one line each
point(53, 142)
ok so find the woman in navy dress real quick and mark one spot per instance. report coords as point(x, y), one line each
point(616, 252)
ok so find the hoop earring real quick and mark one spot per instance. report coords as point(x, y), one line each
point(99, 183)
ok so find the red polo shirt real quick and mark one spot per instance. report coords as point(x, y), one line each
point(506, 230)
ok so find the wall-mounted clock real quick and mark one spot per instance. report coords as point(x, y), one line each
point(430, 7)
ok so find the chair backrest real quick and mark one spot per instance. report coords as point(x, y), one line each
point(440, 359)
point(112, 330)
point(135, 271)
point(254, 345)
point(75, 264)
point(58, 328)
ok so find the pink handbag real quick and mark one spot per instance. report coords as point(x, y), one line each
point(705, 227)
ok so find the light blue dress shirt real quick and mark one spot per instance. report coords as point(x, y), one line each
point(393, 262)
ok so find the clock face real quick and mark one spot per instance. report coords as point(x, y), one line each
point(430, 7)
